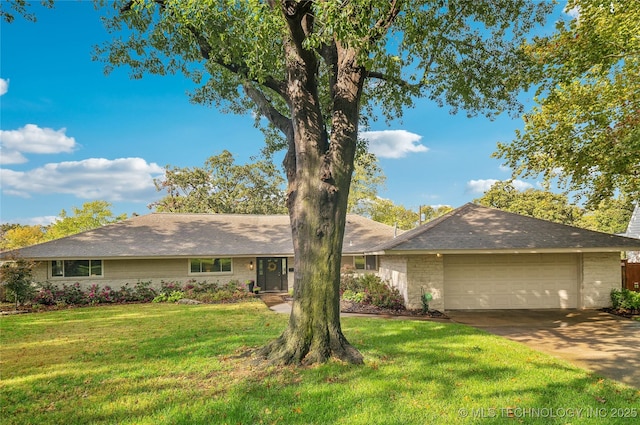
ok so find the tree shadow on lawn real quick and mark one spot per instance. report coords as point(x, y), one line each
point(414, 372)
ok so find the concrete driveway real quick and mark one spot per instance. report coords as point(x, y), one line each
point(603, 343)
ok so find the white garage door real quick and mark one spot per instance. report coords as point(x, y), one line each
point(510, 281)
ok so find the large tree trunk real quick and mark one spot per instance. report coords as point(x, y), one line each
point(317, 209)
point(319, 173)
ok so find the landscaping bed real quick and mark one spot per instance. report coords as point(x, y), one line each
point(360, 308)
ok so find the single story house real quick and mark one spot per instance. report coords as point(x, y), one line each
point(471, 258)
point(181, 247)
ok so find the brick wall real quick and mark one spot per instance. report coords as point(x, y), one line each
point(393, 269)
point(426, 273)
point(413, 273)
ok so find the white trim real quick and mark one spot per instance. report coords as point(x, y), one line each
point(212, 273)
point(496, 251)
point(65, 277)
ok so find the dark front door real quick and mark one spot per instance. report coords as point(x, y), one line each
point(272, 274)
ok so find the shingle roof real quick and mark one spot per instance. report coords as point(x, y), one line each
point(189, 235)
point(476, 228)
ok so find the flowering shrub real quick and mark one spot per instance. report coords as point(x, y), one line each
point(50, 294)
point(72, 295)
point(144, 291)
point(47, 294)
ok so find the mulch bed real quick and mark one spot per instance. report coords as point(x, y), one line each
point(353, 307)
point(629, 314)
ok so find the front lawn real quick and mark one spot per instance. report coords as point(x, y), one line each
point(178, 364)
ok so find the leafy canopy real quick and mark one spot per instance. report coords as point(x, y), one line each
point(531, 202)
point(13, 236)
point(9, 9)
point(610, 216)
point(221, 186)
point(91, 215)
point(464, 54)
point(585, 128)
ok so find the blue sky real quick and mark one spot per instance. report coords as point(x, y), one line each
point(70, 134)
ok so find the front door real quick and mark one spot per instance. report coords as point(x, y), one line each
point(272, 274)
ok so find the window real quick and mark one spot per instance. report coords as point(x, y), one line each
point(76, 268)
point(210, 265)
point(362, 262)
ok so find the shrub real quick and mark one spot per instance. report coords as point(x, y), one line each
point(217, 296)
point(16, 276)
point(357, 297)
point(169, 298)
point(370, 289)
point(72, 295)
point(168, 287)
point(124, 294)
point(351, 282)
point(388, 298)
point(625, 299)
point(47, 294)
point(144, 292)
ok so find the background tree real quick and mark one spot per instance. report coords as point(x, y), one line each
point(367, 179)
point(16, 275)
point(9, 9)
point(585, 128)
point(92, 215)
point(13, 236)
point(222, 186)
point(609, 216)
point(430, 212)
point(316, 70)
point(385, 211)
point(531, 202)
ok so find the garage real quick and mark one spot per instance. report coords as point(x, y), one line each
point(479, 258)
point(511, 281)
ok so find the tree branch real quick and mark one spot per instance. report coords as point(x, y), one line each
point(300, 22)
point(397, 81)
point(267, 109)
point(238, 69)
point(384, 23)
point(206, 52)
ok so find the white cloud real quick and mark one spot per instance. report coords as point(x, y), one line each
point(4, 86)
point(33, 139)
point(573, 12)
point(11, 157)
point(122, 179)
point(521, 186)
point(482, 185)
point(393, 143)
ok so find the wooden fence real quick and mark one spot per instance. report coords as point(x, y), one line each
point(631, 276)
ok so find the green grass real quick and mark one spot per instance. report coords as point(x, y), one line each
point(180, 364)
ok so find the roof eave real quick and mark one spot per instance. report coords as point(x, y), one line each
point(500, 251)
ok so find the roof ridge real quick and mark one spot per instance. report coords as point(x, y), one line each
point(403, 237)
point(213, 214)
